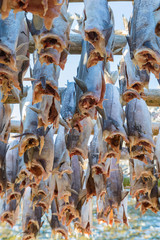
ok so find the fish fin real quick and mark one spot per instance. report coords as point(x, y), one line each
point(81, 84)
point(82, 194)
point(36, 110)
point(72, 191)
point(38, 22)
point(21, 46)
point(63, 123)
point(22, 58)
point(125, 23)
point(124, 194)
point(101, 112)
point(41, 144)
point(15, 146)
point(114, 76)
point(111, 217)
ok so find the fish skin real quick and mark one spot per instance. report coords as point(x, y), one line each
point(61, 173)
point(9, 212)
point(13, 167)
point(48, 10)
point(31, 217)
point(144, 43)
point(50, 74)
point(9, 40)
point(93, 79)
point(76, 142)
point(134, 79)
point(40, 163)
point(114, 184)
point(3, 179)
point(97, 24)
point(85, 224)
point(56, 225)
point(29, 121)
point(68, 101)
point(5, 118)
point(144, 185)
point(139, 125)
point(22, 50)
point(113, 125)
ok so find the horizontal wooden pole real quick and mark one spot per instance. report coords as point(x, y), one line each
point(119, 43)
point(151, 96)
point(15, 128)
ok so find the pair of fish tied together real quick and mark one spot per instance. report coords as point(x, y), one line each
point(54, 165)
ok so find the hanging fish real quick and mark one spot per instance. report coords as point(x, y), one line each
point(53, 45)
point(98, 26)
point(31, 218)
point(113, 118)
point(48, 9)
point(139, 125)
point(134, 79)
point(144, 43)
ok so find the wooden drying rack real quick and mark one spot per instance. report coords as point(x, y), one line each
point(152, 96)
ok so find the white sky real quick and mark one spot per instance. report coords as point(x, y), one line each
point(119, 9)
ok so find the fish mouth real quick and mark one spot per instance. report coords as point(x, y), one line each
point(88, 100)
point(22, 4)
point(130, 94)
point(143, 142)
point(8, 217)
point(28, 141)
point(8, 75)
point(7, 57)
point(14, 195)
point(149, 60)
point(61, 231)
point(52, 41)
point(114, 139)
point(79, 228)
point(71, 211)
point(49, 56)
point(157, 29)
point(92, 36)
point(49, 116)
point(39, 91)
point(94, 58)
point(78, 151)
point(43, 205)
point(36, 169)
point(29, 236)
point(97, 169)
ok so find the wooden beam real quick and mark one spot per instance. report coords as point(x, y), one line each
point(15, 128)
point(151, 96)
point(119, 43)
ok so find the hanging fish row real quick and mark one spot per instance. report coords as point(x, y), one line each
point(49, 175)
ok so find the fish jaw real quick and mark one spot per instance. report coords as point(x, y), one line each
point(14, 195)
point(49, 56)
point(28, 142)
point(38, 91)
point(8, 217)
point(7, 74)
point(7, 57)
point(50, 40)
point(88, 100)
point(149, 60)
point(129, 94)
